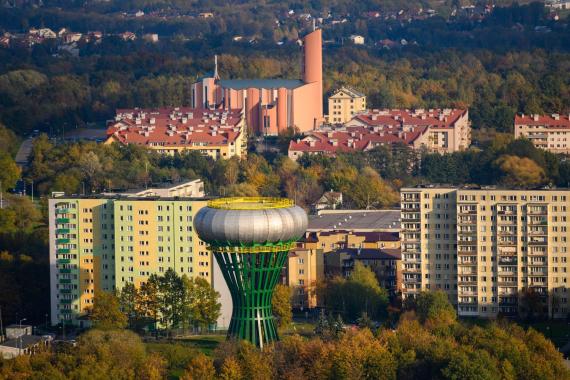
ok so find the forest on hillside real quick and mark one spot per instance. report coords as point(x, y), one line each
point(495, 68)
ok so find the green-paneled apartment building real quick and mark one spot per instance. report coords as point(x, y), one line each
point(102, 243)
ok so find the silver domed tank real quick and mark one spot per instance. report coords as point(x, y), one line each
point(250, 221)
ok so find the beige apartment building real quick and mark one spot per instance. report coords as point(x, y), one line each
point(486, 247)
point(548, 132)
point(344, 103)
point(332, 230)
point(101, 243)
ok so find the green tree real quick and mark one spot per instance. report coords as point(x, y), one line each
point(370, 191)
point(148, 299)
point(477, 365)
point(8, 141)
point(434, 305)
point(172, 297)
point(281, 303)
point(128, 296)
point(106, 313)
point(9, 171)
point(203, 307)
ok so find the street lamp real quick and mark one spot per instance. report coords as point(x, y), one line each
point(20, 324)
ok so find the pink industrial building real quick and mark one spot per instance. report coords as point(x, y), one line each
point(271, 105)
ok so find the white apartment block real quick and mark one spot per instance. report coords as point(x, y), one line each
point(485, 246)
point(548, 132)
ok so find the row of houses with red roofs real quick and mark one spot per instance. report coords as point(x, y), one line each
point(437, 130)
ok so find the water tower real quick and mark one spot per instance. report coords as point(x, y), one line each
point(251, 238)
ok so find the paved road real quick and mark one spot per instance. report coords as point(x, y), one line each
point(24, 152)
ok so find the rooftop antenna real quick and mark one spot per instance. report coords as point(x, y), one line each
point(216, 67)
point(314, 24)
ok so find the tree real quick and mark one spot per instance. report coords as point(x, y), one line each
point(90, 168)
point(148, 300)
point(359, 293)
point(27, 216)
point(231, 370)
point(476, 365)
point(10, 172)
point(106, 313)
point(281, 303)
point(201, 301)
point(200, 368)
point(532, 303)
point(128, 301)
point(434, 306)
point(519, 171)
point(370, 191)
point(172, 297)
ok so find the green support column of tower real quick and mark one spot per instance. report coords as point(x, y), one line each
point(250, 239)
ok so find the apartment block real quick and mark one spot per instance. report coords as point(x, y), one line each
point(487, 247)
point(437, 130)
point(219, 134)
point(102, 243)
point(305, 268)
point(385, 263)
point(328, 232)
point(344, 103)
point(548, 132)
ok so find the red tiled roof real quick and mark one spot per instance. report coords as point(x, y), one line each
point(351, 139)
point(374, 128)
point(175, 126)
point(398, 118)
point(551, 121)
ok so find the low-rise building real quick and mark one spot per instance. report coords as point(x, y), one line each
point(441, 131)
point(21, 341)
point(305, 267)
point(344, 103)
point(330, 200)
point(213, 133)
point(548, 132)
point(356, 39)
point(331, 231)
point(188, 189)
point(384, 262)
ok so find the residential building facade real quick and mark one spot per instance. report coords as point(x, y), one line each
point(344, 103)
point(548, 132)
point(329, 232)
point(439, 131)
point(102, 243)
point(384, 262)
point(487, 248)
point(216, 134)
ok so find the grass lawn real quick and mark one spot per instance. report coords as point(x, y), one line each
point(301, 328)
point(205, 343)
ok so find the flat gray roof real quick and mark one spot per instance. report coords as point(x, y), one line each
point(26, 341)
point(241, 84)
point(359, 220)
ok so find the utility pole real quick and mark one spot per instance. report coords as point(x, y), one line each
point(1, 207)
point(32, 190)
